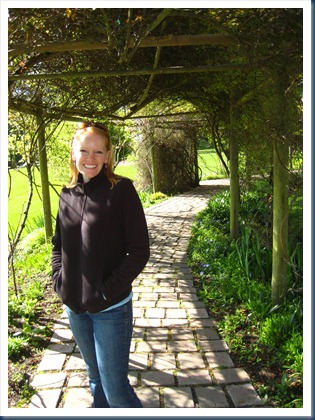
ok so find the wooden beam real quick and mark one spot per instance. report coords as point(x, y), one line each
point(187, 40)
point(121, 73)
point(169, 114)
point(152, 41)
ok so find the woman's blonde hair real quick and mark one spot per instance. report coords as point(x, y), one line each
point(99, 129)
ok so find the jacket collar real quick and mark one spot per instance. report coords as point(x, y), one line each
point(90, 185)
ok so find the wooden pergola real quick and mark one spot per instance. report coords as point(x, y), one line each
point(39, 61)
point(108, 64)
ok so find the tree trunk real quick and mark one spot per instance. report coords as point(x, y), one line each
point(44, 176)
point(234, 176)
point(280, 222)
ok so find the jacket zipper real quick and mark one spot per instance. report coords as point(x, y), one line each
point(79, 271)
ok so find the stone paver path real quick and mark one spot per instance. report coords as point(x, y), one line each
point(177, 358)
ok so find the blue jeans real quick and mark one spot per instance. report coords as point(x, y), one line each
point(104, 341)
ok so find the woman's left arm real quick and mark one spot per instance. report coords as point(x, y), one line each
point(137, 244)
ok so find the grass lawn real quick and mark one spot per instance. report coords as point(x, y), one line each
point(18, 199)
point(127, 169)
point(209, 163)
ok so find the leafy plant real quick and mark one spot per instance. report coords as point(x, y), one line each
point(32, 262)
point(276, 329)
point(255, 259)
point(16, 347)
point(148, 198)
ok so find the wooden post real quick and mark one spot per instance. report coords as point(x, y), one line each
point(44, 176)
point(280, 221)
point(153, 167)
point(234, 175)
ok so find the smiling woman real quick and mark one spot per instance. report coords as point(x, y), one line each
point(100, 246)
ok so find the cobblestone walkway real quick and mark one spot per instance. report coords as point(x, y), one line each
point(177, 357)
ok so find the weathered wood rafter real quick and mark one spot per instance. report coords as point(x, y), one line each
point(143, 72)
point(150, 41)
point(126, 47)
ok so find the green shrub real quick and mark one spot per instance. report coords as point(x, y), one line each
point(33, 255)
point(31, 243)
point(276, 329)
point(233, 279)
point(292, 352)
point(254, 258)
point(148, 198)
point(32, 266)
point(216, 214)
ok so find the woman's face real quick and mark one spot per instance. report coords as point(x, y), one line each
point(89, 153)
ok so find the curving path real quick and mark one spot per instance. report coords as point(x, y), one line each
point(177, 358)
